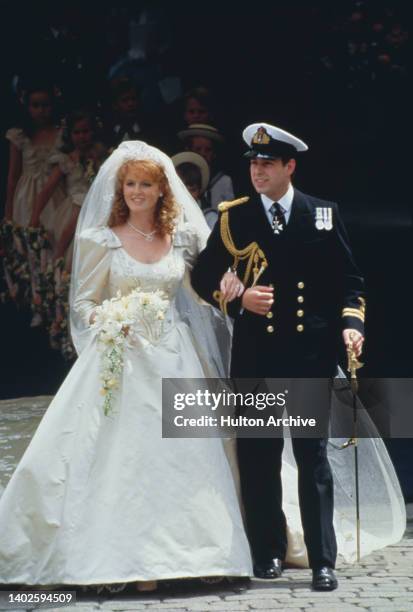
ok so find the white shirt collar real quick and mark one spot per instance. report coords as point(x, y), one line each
point(285, 202)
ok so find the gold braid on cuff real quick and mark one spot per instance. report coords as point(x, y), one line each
point(358, 313)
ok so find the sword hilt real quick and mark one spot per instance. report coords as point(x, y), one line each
point(353, 364)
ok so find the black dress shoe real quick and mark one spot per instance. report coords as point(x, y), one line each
point(269, 570)
point(324, 579)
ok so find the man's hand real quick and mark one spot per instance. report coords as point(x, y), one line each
point(258, 299)
point(355, 342)
point(230, 286)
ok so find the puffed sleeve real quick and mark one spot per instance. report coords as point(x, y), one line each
point(191, 243)
point(62, 160)
point(17, 137)
point(78, 198)
point(210, 266)
point(96, 247)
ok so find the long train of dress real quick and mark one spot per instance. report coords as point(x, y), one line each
point(97, 499)
point(382, 520)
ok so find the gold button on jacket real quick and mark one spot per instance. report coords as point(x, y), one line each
point(300, 328)
point(270, 329)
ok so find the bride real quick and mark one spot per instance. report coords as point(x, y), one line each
point(103, 498)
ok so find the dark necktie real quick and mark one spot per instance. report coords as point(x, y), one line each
point(206, 200)
point(278, 218)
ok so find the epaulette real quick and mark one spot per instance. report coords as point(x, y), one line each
point(224, 206)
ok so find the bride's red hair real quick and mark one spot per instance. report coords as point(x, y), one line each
point(166, 209)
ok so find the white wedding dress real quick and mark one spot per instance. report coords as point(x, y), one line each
point(99, 499)
point(105, 499)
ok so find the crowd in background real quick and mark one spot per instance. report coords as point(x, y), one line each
point(369, 45)
point(332, 74)
point(80, 82)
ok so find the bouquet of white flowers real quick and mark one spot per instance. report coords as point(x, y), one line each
point(118, 318)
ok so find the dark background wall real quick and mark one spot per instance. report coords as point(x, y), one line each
point(318, 69)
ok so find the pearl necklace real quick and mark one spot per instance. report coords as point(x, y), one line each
point(148, 237)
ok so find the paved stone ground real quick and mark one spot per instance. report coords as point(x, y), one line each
point(383, 582)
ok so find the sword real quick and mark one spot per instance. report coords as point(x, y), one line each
point(352, 366)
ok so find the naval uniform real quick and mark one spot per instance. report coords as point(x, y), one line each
point(318, 292)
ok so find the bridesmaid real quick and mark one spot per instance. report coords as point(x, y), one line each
point(31, 145)
point(74, 167)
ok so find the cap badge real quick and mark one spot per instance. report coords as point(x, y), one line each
point(261, 137)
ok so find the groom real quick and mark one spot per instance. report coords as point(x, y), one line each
point(307, 290)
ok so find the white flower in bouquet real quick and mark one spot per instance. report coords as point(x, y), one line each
point(133, 314)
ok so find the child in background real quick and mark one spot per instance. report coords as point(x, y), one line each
point(74, 168)
point(31, 146)
point(207, 141)
point(197, 106)
point(194, 173)
point(124, 121)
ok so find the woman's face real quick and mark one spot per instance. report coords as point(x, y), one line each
point(141, 193)
point(82, 134)
point(40, 107)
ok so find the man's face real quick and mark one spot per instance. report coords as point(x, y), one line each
point(203, 146)
point(271, 177)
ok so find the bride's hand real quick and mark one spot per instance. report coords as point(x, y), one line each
point(230, 286)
